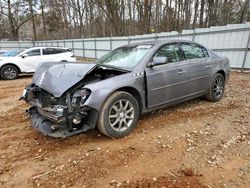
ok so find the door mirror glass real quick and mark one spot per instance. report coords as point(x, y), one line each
point(24, 55)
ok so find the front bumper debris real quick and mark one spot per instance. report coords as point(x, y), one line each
point(45, 126)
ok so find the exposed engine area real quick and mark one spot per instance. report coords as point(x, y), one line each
point(102, 73)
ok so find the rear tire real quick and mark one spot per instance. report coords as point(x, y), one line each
point(119, 115)
point(216, 88)
point(9, 72)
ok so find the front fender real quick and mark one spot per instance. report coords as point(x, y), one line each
point(2, 64)
point(101, 90)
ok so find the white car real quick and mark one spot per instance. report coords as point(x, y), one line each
point(26, 61)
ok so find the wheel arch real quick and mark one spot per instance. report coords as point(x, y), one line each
point(135, 93)
point(222, 72)
point(12, 64)
point(102, 123)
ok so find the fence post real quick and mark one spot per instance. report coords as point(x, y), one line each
point(73, 46)
point(156, 36)
point(193, 36)
point(95, 48)
point(83, 48)
point(110, 46)
point(246, 52)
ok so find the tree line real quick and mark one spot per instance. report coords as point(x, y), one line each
point(62, 19)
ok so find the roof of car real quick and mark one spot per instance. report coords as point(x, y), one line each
point(153, 42)
point(35, 47)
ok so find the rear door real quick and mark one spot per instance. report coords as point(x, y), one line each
point(166, 83)
point(54, 54)
point(198, 68)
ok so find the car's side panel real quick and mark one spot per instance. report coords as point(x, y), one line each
point(199, 74)
point(166, 83)
point(59, 57)
point(30, 63)
point(101, 90)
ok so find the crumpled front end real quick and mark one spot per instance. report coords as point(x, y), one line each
point(57, 96)
point(59, 117)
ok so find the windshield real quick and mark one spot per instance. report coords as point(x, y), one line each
point(125, 57)
point(12, 53)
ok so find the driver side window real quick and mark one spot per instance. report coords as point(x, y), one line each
point(35, 52)
point(171, 51)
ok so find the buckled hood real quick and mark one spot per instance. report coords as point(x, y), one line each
point(56, 78)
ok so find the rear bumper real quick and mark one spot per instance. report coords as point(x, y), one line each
point(44, 126)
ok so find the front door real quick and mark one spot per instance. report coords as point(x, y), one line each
point(31, 60)
point(166, 83)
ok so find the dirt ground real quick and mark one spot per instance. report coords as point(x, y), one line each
point(195, 144)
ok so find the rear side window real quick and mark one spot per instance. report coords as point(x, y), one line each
point(193, 51)
point(60, 50)
point(171, 51)
point(35, 52)
point(51, 51)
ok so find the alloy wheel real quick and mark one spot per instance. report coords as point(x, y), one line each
point(9, 73)
point(121, 115)
point(218, 87)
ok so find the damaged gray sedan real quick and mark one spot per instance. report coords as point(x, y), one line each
point(70, 98)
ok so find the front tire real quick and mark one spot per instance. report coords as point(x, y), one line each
point(216, 89)
point(119, 115)
point(9, 72)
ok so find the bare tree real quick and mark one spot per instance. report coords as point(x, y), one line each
point(15, 19)
point(42, 7)
point(60, 19)
point(31, 9)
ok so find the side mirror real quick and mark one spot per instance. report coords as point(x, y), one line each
point(24, 55)
point(158, 61)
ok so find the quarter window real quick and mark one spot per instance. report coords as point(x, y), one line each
point(35, 52)
point(171, 51)
point(193, 51)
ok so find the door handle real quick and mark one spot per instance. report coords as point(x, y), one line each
point(207, 66)
point(181, 71)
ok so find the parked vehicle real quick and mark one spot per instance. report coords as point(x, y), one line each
point(25, 61)
point(67, 99)
point(2, 52)
point(11, 53)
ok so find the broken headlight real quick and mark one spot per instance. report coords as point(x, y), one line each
point(80, 96)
